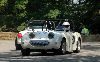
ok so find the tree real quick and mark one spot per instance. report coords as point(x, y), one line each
point(13, 13)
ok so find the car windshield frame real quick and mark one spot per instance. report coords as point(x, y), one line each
point(38, 24)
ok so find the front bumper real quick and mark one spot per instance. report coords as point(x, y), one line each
point(40, 44)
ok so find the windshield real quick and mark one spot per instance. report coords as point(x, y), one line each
point(36, 25)
point(59, 27)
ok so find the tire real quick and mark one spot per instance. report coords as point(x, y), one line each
point(63, 47)
point(25, 52)
point(17, 46)
point(78, 44)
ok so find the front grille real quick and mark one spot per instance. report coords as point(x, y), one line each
point(39, 42)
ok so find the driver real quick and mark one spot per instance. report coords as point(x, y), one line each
point(66, 26)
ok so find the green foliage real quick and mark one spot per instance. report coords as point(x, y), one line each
point(3, 2)
point(21, 27)
point(13, 13)
point(53, 14)
point(20, 8)
point(3, 28)
point(21, 4)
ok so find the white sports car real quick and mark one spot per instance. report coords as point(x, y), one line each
point(42, 36)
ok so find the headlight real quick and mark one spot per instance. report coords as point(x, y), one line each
point(31, 35)
point(51, 35)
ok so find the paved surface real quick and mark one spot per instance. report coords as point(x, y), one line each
point(90, 53)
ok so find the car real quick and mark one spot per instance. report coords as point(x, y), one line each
point(48, 36)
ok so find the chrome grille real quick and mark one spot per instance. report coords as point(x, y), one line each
point(39, 42)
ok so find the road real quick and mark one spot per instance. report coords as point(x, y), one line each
point(90, 52)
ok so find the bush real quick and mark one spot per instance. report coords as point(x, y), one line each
point(21, 27)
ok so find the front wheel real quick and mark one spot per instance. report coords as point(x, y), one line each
point(25, 52)
point(63, 47)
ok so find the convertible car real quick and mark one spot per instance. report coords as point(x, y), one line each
point(47, 36)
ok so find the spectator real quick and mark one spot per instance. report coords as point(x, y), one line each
point(85, 31)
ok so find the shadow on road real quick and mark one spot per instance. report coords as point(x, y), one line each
point(91, 47)
point(14, 56)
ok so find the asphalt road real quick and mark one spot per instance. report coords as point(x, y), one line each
point(90, 52)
